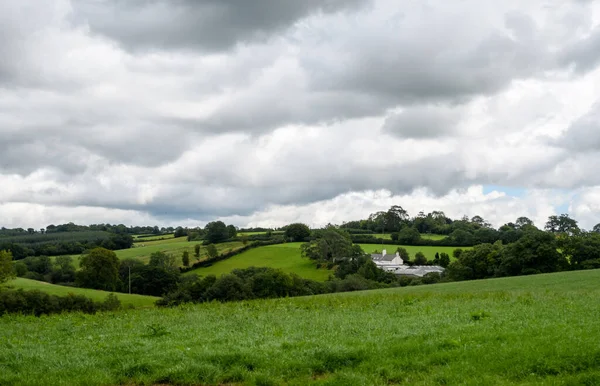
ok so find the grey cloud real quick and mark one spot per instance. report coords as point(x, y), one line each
point(583, 135)
point(423, 122)
point(210, 25)
point(583, 55)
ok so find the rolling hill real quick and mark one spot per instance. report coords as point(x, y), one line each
point(533, 330)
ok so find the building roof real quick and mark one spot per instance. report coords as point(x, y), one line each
point(380, 257)
point(419, 270)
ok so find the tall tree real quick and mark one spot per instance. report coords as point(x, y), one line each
point(523, 221)
point(163, 260)
point(216, 232)
point(6, 266)
point(330, 244)
point(297, 232)
point(562, 224)
point(99, 269)
point(185, 259)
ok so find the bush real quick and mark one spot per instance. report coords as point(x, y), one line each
point(39, 303)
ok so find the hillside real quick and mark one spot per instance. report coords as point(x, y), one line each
point(126, 299)
point(143, 249)
point(287, 258)
point(282, 256)
point(530, 330)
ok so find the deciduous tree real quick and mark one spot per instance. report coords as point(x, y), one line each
point(6, 266)
point(99, 270)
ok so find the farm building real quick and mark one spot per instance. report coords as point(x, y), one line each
point(395, 264)
point(384, 259)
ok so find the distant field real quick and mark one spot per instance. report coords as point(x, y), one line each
point(173, 246)
point(429, 252)
point(283, 256)
point(533, 330)
point(259, 233)
point(427, 236)
point(139, 238)
point(135, 300)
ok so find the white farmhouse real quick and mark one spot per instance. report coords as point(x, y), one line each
point(384, 259)
point(395, 264)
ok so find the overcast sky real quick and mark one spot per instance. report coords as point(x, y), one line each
point(267, 112)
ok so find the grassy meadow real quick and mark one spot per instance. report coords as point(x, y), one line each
point(141, 238)
point(533, 330)
point(142, 250)
point(126, 299)
point(428, 251)
point(427, 236)
point(282, 256)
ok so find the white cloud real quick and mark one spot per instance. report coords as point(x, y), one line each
point(317, 111)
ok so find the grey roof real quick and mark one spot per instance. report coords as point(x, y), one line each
point(420, 270)
point(380, 257)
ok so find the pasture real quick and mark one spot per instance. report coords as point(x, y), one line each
point(96, 295)
point(172, 246)
point(426, 236)
point(282, 256)
point(428, 251)
point(142, 238)
point(533, 330)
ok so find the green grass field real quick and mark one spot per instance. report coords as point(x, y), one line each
point(126, 299)
point(287, 258)
point(534, 330)
point(283, 256)
point(137, 238)
point(429, 252)
point(259, 233)
point(427, 236)
point(173, 246)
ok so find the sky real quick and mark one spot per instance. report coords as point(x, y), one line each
point(267, 112)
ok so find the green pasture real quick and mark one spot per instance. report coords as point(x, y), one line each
point(137, 238)
point(96, 295)
point(172, 246)
point(533, 330)
point(428, 251)
point(283, 256)
point(426, 236)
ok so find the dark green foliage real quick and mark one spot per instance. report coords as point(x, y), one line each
point(40, 303)
point(444, 260)
point(6, 266)
point(216, 232)
point(197, 251)
point(180, 232)
point(211, 251)
point(63, 243)
point(535, 252)
point(409, 236)
point(331, 245)
point(562, 224)
point(583, 251)
point(63, 270)
point(420, 259)
point(185, 258)
point(231, 231)
point(163, 260)
point(155, 279)
point(297, 232)
point(99, 270)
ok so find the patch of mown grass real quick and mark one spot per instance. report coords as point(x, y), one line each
point(421, 335)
